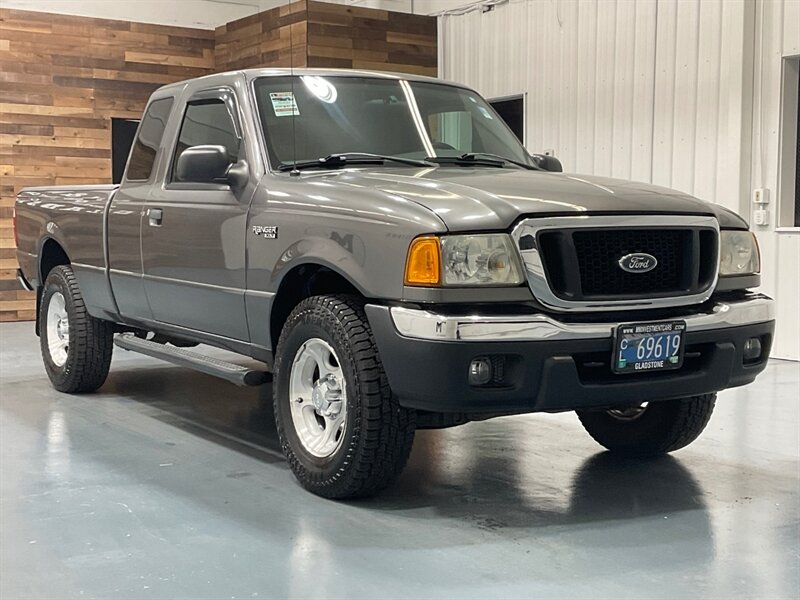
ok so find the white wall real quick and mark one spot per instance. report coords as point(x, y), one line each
point(777, 34)
point(652, 90)
point(203, 14)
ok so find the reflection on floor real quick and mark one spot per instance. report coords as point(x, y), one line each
point(168, 483)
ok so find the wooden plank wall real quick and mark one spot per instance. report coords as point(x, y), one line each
point(351, 37)
point(328, 35)
point(266, 39)
point(63, 78)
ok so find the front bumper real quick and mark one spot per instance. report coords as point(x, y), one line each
point(550, 365)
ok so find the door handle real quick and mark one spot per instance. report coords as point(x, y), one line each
point(154, 216)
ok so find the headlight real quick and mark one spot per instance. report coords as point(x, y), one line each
point(739, 254)
point(463, 260)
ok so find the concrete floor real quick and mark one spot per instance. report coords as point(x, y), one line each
point(169, 484)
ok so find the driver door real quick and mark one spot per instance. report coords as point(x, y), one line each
point(193, 233)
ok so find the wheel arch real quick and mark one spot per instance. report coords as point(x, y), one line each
point(303, 281)
point(51, 255)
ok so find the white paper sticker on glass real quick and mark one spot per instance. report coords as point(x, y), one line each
point(283, 104)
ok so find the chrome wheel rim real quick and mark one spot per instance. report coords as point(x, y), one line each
point(57, 329)
point(631, 413)
point(318, 398)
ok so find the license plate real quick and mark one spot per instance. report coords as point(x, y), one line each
point(642, 347)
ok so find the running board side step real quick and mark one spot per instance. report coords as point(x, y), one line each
point(185, 358)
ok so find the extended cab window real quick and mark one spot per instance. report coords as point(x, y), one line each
point(207, 122)
point(143, 155)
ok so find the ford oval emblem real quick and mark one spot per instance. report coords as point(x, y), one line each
point(638, 262)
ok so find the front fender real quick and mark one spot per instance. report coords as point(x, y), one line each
point(344, 255)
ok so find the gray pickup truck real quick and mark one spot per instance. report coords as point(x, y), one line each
point(397, 260)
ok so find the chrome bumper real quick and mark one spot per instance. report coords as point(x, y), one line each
point(426, 325)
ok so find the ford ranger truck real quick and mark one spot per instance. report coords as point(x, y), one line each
point(394, 257)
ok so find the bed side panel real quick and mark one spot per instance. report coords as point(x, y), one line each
point(74, 217)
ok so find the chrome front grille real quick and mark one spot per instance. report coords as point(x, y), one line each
point(573, 263)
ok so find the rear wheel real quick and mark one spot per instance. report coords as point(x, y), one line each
point(76, 347)
point(341, 429)
point(650, 429)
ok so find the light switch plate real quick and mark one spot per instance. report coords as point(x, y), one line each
point(761, 196)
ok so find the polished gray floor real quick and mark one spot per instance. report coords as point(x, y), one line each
point(169, 484)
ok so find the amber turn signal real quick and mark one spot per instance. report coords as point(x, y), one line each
point(424, 262)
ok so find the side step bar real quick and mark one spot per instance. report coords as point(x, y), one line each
point(199, 362)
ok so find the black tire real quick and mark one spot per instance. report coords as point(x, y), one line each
point(661, 427)
point(88, 355)
point(378, 432)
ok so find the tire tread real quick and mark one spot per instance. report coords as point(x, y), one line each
point(384, 431)
point(91, 339)
point(674, 424)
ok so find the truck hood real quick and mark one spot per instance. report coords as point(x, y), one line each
point(485, 198)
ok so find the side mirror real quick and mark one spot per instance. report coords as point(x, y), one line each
point(202, 164)
point(238, 174)
point(547, 162)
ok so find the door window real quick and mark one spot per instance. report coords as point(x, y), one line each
point(207, 122)
point(140, 165)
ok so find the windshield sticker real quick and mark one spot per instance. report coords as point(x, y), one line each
point(283, 104)
point(485, 112)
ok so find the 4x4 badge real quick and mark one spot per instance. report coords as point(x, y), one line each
point(638, 262)
point(266, 231)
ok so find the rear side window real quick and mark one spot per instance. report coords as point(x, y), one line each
point(207, 122)
point(143, 155)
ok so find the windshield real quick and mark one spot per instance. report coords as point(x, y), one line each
point(308, 117)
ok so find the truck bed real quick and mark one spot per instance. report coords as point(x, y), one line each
point(73, 216)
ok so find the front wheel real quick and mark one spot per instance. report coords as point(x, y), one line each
point(76, 347)
point(650, 429)
point(341, 429)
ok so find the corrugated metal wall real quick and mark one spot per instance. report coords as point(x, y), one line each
point(777, 35)
point(651, 90)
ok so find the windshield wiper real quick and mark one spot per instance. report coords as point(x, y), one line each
point(333, 161)
point(481, 158)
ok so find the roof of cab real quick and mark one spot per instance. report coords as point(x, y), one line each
point(251, 74)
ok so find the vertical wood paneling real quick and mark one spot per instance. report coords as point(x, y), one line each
point(325, 35)
point(273, 38)
point(62, 78)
